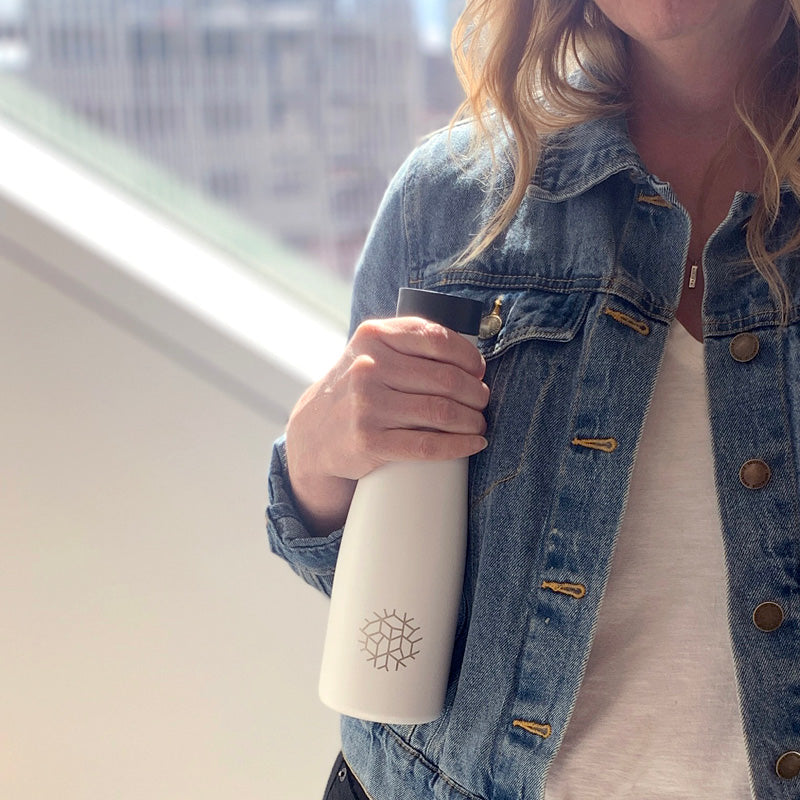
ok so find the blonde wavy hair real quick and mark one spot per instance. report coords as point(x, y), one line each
point(514, 57)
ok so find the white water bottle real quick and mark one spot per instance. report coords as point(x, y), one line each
point(400, 571)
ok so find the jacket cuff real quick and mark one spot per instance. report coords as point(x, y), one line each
point(313, 558)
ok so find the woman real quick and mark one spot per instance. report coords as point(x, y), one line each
point(635, 229)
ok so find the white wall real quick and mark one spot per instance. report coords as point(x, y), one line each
point(151, 645)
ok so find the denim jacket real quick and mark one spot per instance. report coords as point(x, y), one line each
point(589, 275)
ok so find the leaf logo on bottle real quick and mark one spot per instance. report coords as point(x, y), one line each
point(390, 640)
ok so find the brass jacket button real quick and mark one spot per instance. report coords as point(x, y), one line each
point(755, 474)
point(744, 347)
point(492, 323)
point(768, 617)
point(788, 765)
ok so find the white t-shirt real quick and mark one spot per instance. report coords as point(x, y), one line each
point(657, 716)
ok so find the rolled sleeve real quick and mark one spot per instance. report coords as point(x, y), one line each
point(313, 558)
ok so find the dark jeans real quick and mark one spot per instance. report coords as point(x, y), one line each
point(342, 785)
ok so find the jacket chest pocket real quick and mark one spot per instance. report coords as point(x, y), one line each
point(511, 318)
point(531, 340)
point(531, 370)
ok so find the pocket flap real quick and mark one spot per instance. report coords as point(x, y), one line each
point(516, 315)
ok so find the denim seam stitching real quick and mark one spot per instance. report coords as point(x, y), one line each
point(407, 237)
point(546, 383)
point(787, 427)
point(428, 765)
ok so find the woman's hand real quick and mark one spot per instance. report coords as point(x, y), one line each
point(404, 389)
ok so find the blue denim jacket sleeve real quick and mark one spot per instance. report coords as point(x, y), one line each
point(313, 558)
point(383, 268)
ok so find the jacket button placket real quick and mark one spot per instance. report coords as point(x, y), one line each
point(606, 418)
point(751, 451)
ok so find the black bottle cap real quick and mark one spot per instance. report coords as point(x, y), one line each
point(460, 314)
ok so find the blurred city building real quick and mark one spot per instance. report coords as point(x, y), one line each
point(294, 112)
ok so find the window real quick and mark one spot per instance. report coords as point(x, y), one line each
point(222, 44)
point(218, 91)
point(227, 117)
point(227, 184)
point(70, 45)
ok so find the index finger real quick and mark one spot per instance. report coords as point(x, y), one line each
point(415, 336)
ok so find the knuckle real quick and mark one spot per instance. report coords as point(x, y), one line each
point(441, 411)
point(367, 332)
point(434, 334)
point(425, 447)
point(369, 327)
point(361, 373)
point(449, 381)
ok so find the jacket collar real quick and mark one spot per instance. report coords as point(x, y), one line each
point(578, 158)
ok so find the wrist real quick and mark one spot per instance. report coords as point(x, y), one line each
point(322, 501)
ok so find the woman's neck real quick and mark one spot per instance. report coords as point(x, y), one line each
point(683, 117)
point(685, 85)
point(681, 93)
point(684, 123)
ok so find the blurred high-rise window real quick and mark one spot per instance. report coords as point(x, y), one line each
point(295, 113)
